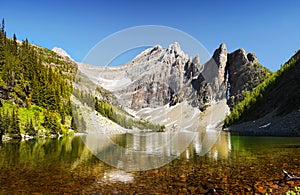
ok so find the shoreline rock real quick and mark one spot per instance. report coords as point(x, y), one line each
point(288, 125)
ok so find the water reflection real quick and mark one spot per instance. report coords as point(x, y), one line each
point(34, 152)
point(145, 151)
point(140, 148)
point(66, 165)
point(138, 151)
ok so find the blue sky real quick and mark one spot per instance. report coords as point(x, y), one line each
point(270, 29)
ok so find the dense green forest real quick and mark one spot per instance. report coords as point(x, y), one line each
point(35, 88)
point(278, 94)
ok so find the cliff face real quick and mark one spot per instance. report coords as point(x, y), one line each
point(228, 75)
point(161, 76)
point(244, 74)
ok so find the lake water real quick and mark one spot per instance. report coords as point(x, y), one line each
point(221, 163)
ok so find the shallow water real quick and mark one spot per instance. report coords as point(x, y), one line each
point(220, 163)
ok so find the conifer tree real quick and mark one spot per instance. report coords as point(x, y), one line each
point(14, 46)
point(3, 28)
point(51, 123)
point(2, 45)
point(73, 123)
point(6, 121)
point(2, 130)
point(29, 129)
point(27, 75)
point(15, 124)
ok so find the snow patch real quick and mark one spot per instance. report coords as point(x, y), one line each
point(264, 126)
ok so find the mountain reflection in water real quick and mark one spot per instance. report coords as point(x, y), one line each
point(148, 150)
point(228, 163)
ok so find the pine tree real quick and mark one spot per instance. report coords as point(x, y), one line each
point(2, 45)
point(62, 116)
point(27, 76)
point(6, 122)
point(51, 123)
point(2, 130)
point(29, 129)
point(2, 30)
point(73, 124)
point(14, 46)
point(15, 130)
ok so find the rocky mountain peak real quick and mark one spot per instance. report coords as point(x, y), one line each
point(238, 57)
point(160, 76)
point(173, 55)
point(149, 52)
point(245, 73)
point(61, 52)
point(220, 55)
point(175, 49)
point(220, 58)
point(196, 60)
point(252, 57)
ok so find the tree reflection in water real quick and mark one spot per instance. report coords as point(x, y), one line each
point(235, 164)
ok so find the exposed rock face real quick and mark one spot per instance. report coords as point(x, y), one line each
point(157, 77)
point(161, 76)
point(220, 57)
point(245, 73)
point(62, 52)
point(211, 83)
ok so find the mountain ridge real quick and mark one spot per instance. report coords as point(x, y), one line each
point(155, 81)
point(159, 76)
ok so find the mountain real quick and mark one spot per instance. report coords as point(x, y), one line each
point(153, 78)
point(161, 76)
point(245, 73)
point(161, 88)
point(160, 80)
point(273, 107)
point(62, 52)
point(238, 73)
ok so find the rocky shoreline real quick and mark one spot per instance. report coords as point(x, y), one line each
point(288, 125)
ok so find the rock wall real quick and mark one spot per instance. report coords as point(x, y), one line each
point(161, 76)
point(245, 73)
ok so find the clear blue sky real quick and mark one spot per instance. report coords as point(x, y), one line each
point(270, 29)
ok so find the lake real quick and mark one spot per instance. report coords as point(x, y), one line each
point(220, 163)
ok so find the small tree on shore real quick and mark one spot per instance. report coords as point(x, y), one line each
point(29, 129)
